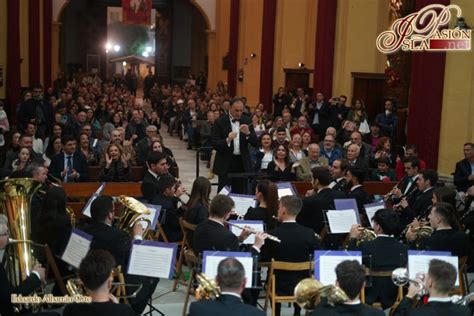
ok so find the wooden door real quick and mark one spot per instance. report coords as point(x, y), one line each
point(371, 88)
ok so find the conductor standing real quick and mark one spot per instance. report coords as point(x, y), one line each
point(231, 136)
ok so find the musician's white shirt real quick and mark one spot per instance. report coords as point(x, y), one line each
point(235, 128)
point(410, 184)
point(440, 299)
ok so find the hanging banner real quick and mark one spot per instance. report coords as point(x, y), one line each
point(136, 11)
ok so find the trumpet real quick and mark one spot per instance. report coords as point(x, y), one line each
point(252, 231)
point(400, 278)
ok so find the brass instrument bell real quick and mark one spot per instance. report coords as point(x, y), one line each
point(309, 292)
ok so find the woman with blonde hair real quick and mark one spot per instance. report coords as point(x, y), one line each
point(116, 165)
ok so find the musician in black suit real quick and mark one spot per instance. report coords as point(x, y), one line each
point(464, 174)
point(213, 235)
point(231, 280)
point(407, 187)
point(297, 245)
point(168, 197)
point(118, 243)
point(338, 174)
point(356, 177)
point(69, 165)
point(28, 286)
point(425, 183)
point(350, 277)
point(446, 235)
point(157, 167)
point(231, 136)
point(439, 281)
point(95, 272)
point(321, 199)
point(384, 253)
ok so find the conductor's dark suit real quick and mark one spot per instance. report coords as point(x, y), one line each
point(225, 161)
point(431, 309)
point(311, 214)
point(297, 244)
point(79, 163)
point(6, 289)
point(382, 254)
point(228, 305)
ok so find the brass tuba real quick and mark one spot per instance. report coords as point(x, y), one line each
point(15, 199)
point(131, 213)
point(309, 292)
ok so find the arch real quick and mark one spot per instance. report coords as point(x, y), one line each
point(58, 8)
point(209, 26)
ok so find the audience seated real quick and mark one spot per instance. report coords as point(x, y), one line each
point(303, 167)
point(116, 167)
point(280, 168)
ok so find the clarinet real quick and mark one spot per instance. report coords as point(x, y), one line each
point(341, 185)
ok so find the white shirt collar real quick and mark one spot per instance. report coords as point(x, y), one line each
point(232, 294)
point(355, 187)
point(356, 302)
point(153, 174)
point(427, 189)
point(214, 220)
point(290, 221)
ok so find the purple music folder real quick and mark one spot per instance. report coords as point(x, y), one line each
point(346, 204)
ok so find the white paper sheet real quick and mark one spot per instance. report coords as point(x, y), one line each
point(151, 217)
point(77, 248)
point(327, 266)
point(284, 192)
point(87, 208)
point(151, 261)
point(340, 221)
point(210, 268)
point(370, 210)
point(224, 191)
point(255, 225)
point(242, 203)
point(420, 264)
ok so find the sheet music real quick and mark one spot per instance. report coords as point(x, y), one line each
point(212, 259)
point(225, 190)
point(255, 225)
point(346, 204)
point(243, 202)
point(77, 247)
point(341, 221)
point(371, 209)
point(152, 217)
point(152, 259)
point(87, 209)
point(284, 189)
point(419, 262)
point(327, 261)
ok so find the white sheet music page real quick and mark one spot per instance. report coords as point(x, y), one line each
point(242, 203)
point(419, 262)
point(371, 209)
point(152, 259)
point(255, 225)
point(340, 221)
point(152, 217)
point(77, 248)
point(212, 261)
point(327, 267)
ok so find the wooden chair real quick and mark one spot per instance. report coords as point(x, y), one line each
point(186, 227)
point(386, 274)
point(271, 284)
point(194, 263)
point(120, 290)
point(462, 288)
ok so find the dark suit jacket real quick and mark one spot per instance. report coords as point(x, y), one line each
point(98, 309)
point(361, 197)
point(421, 204)
point(297, 244)
point(381, 254)
point(220, 132)
point(169, 217)
point(6, 289)
point(461, 174)
point(79, 163)
point(210, 235)
point(311, 214)
point(226, 305)
point(431, 309)
point(149, 186)
point(112, 239)
point(324, 309)
point(448, 240)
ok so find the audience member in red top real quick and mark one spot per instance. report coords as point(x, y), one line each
point(410, 151)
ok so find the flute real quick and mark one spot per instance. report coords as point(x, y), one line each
point(252, 231)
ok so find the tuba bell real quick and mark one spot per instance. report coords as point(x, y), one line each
point(133, 210)
point(309, 292)
point(15, 200)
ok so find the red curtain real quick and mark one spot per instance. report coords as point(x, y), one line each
point(324, 52)
point(233, 46)
point(34, 41)
point(47, 33)
point(268, 49)
point(426, 99)
point(13, 82)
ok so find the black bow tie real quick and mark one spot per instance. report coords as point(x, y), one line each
point(234, 120)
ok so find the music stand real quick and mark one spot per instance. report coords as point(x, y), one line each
point(250, 177)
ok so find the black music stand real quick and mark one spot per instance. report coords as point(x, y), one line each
point(152, 309)
point(248, 177)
